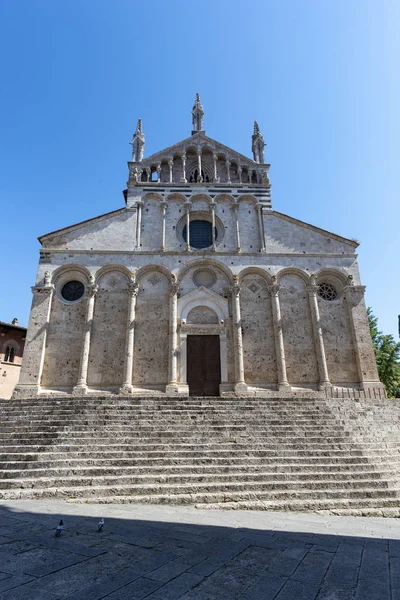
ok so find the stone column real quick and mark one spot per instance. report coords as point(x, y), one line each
point(81, 386)
point(363, 349)
point(236, 209)
point(240, 173)
point(148, 173)
point(164, 206)
point(158, 173)
point(312, 290)
point(250, 174)
point(139, 205)
point(127, 387)
point(172, 386)
point(35, 344)
point(261, 227)
point(283, 383)
point(187, 208)
point(215, 159)
point(171, 166)
point(228, 170)
point(183, 178)
point(212, 206)
point(240, 384)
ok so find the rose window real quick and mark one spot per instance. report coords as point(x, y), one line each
point(326, 291)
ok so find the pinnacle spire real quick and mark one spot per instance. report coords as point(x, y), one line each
point(138, 143)
point(257, 144)
point(197, 115)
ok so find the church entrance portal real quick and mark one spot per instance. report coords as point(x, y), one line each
point(203, 365)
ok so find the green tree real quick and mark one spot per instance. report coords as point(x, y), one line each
point(387, 354)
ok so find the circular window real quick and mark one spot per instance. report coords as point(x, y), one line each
point(72, 291)
point(204, 278)
point(200, 234)
point(326, 291)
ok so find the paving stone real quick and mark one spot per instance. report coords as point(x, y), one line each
point(395, 577)
point(138, 589)
point(214, 562)
point(26, 593)
point(298, 590)
point(313, 567)
point(177, 587)
point(107, 585)
point(14, 581)
point(169, 571)
point(265, 587)
point(374, 575)
point(253, 559)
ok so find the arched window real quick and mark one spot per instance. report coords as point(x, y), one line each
point(9, 354)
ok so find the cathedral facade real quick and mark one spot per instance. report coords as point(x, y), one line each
point(197, 286)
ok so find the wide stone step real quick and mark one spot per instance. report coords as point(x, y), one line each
point(151, 483)
point(13, 470)
point(197, 450)
point(49, 460)
point(204, 492)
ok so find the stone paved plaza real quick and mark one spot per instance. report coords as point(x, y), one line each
point(163, 553)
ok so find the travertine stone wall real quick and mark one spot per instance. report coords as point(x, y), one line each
point(338, 342)
point(202, 315)
point(151, 236)
point(249, 228)
point(301, 360)
point(258, 338)
point(63, 344)
point(107, 348)
point(150, 365)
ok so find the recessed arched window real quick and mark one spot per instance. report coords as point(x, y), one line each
point(200, 234)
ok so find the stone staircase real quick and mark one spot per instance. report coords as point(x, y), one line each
point(313, 454)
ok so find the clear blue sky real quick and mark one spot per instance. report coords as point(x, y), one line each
point(321, 78)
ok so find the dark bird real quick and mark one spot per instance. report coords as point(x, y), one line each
point(60, 528)
point(100, 525)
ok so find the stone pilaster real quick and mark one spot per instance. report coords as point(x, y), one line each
point(35, 345)
point(81, 386)
point(318, 335)
point(236, 209)
point(127, 387)
point(139, 224)
point(240, 384)
point(164, 206)
point(364, 351)
point(283, 383)
point(261, 227)
point(212, 206)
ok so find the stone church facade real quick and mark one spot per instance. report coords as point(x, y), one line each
point(197, 286)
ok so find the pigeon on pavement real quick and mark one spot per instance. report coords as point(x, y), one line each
point(60, 528)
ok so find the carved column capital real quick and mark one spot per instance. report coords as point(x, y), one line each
point(133, 289)
point(174, 289)
point(274, 287)
point(164, 204)
point(312, 290)
point(91, 290)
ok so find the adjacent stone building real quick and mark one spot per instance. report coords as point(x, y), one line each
point(12, 341)
point(197, 286)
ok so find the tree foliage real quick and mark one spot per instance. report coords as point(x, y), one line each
point(387, 354)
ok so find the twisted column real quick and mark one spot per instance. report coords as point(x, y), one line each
point(133, 290)
point(81, 386)
point(283, 383)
